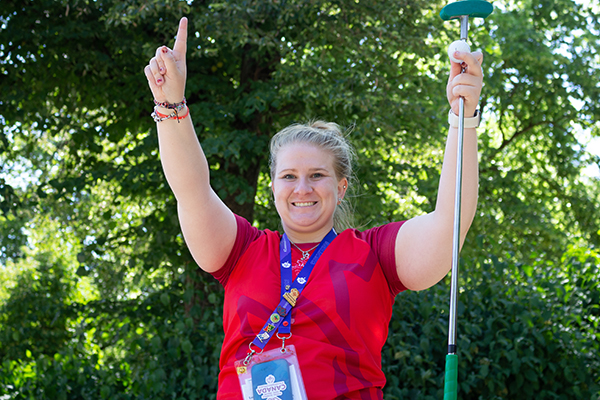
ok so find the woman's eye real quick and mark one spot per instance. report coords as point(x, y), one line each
point(288, 176)
point(317, 175)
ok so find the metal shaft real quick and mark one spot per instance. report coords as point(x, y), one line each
point(464, 28)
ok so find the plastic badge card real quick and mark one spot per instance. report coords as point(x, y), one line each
point(272, 375)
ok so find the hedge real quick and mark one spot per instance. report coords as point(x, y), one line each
point(524, 331)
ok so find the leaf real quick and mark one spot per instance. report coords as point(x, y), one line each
point(165, 299)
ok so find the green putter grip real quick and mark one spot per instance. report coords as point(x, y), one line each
point(451, 379)
point(470, 8)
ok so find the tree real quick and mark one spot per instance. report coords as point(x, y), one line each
point(255, 67)
point(75, 111)
point(542, 87)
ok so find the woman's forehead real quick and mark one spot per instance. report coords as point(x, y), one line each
point(303, 155)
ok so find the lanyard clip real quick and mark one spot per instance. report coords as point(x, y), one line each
point(249, 357)
point(283, 339)
point(251, 353)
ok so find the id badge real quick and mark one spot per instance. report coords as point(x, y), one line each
point(271, 375)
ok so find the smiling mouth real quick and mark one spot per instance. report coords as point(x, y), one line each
point(305, 204)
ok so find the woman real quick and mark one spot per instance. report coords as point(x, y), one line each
point(339, 323)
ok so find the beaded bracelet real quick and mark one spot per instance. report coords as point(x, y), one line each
point(175, 106)
point(158, 117)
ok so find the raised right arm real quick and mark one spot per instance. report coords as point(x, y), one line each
point(208, 226)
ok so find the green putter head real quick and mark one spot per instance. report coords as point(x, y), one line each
point(470, 8)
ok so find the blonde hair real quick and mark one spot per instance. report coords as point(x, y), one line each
point(327, 136)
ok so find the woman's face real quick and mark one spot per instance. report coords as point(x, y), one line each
point(306, 191)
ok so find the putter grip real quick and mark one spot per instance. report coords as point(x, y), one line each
point(451, 380)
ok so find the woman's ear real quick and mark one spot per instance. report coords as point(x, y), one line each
point(342, 187)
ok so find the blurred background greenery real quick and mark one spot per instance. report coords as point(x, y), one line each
point(99, 297)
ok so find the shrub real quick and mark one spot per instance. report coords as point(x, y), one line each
point(523, 332)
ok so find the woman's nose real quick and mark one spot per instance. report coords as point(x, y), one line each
point(303, 186)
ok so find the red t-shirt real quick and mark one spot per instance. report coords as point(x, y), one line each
point(340, 322)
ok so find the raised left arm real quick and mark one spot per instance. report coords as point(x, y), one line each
point(424, 243)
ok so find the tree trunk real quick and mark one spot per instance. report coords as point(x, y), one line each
point(253, 69)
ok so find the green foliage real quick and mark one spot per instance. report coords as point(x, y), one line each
point(11, 222)
point(539, 80)
point(163, 345)
point(79, 160)
point(523, 332)
point(34, 318)
point(256, 67)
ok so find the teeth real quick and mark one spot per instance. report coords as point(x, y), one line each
point(305, 204)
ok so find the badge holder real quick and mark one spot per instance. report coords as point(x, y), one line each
point(273, 374)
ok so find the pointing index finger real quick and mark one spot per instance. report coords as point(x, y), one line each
point(181, 38)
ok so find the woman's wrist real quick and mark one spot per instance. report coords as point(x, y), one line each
point(163, 113)
point(469, 121)
point(165, 110)
point(171, 106)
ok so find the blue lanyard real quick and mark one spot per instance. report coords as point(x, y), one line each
point(289, 290)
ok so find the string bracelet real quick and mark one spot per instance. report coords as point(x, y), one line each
point(159, 117)
point(173, 106)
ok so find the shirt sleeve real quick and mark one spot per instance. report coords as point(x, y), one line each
point(246, 234)
point(382, 240)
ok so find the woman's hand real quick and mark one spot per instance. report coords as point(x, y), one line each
point(468, 84)
point(166, 71)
